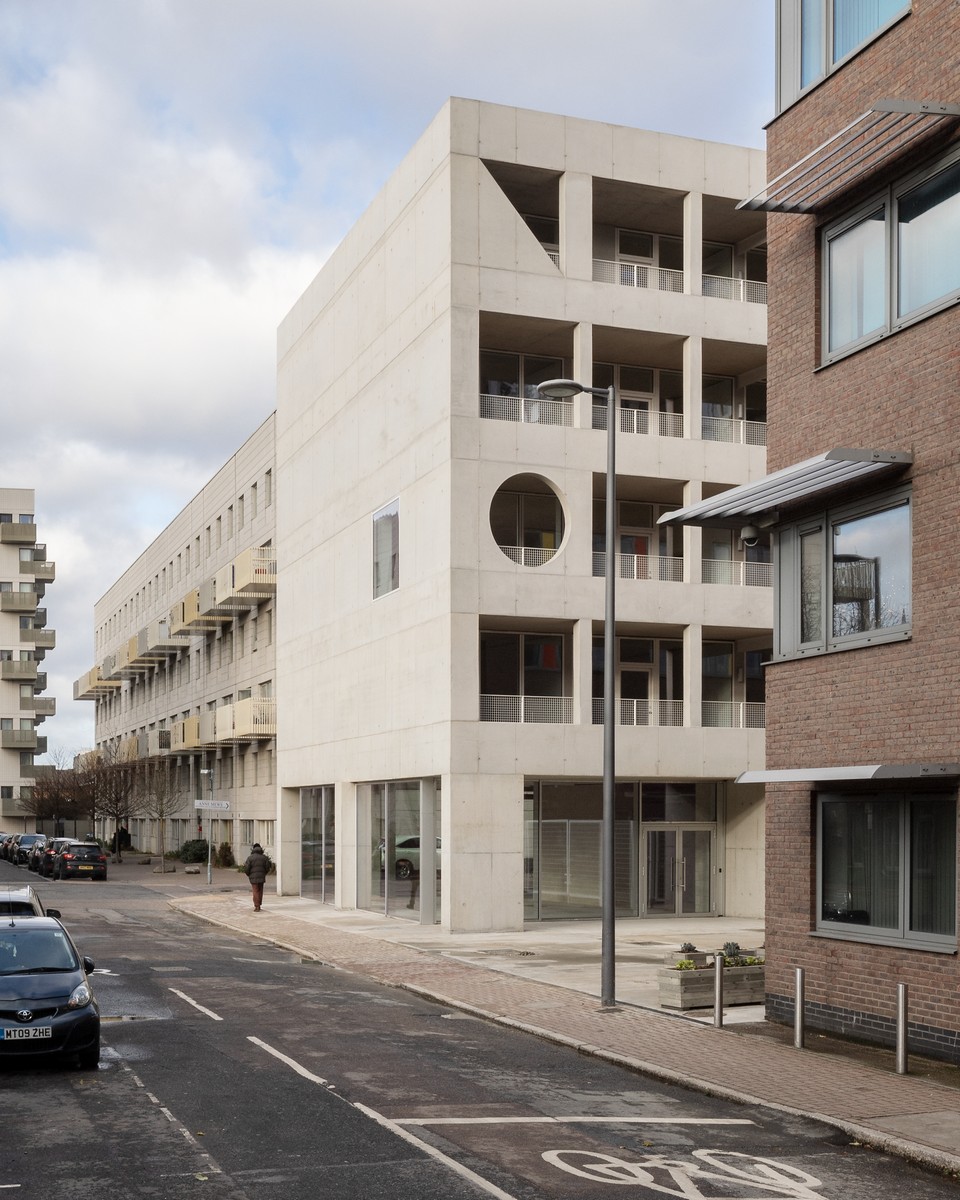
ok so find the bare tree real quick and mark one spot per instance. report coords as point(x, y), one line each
point(59, 794)
point(112, 780)
point(160, 799)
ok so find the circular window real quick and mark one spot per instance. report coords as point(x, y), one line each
point(526, 518)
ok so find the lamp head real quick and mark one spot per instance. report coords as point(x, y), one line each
point(560, 389)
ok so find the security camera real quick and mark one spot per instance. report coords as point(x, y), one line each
point(749, 535)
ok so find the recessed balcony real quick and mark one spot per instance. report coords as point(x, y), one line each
point(527, 710)
point(657, 713)
point(734, 573)
point(526, 410)
point(660, 567)
point(733, 714)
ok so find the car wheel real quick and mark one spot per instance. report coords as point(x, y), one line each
point(404, 868)
point(88, 1059)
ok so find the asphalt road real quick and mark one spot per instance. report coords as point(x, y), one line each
point(237, 1068)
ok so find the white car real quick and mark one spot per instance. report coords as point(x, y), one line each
point(407, 861)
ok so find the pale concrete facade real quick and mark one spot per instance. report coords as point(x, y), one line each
point(513, 237)
point(185, 661)
point(25, 572)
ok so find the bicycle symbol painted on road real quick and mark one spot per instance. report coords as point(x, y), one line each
point(747, 1177)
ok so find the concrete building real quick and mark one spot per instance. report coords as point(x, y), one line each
point(24, 641)
point(862, 745)
point(440, 530)
point(185, 658)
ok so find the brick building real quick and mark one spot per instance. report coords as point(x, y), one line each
point(861, 778)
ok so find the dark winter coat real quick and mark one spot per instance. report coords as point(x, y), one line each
point(256, 866)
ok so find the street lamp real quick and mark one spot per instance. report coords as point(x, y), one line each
point(565, 389)
point(209, 775)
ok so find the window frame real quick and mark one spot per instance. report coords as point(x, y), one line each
point(789, 640)
point(887, 201)
point(902, 936)
point(390, 579)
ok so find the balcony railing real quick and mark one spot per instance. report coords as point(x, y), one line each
point(18, 672)
point(737, 574)
point(641, 420)
point(658, 713)
point(641, 566)
point(728, 429)
point(733, 714)
point(527, 710)
point(641, 275)
point(554, 256)
point(185, 734)
point(255, 717)
point(42, 706)
point(19, 602)
point(528, 556)
point(39, 569)
point(526, 410)
point(19, 739)
point(722, 287)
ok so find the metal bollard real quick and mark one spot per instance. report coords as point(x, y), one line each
point(901, 1029)
point(798, 1010)
point(718, 991)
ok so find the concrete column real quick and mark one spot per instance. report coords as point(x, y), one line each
point(583, 373)
point(692, 675)
point(482, 852)
point(692, 536)
point(583, 671)
point(693, 244)
point(288, 842)
point(352, 829)
point(693, 388)
point(576, 225)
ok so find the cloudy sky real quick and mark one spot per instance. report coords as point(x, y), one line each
point(174, 172)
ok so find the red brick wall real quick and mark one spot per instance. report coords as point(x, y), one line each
point(896, 703)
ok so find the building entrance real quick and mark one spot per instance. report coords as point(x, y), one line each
point(678, 869)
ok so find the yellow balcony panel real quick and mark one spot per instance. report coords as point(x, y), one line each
point(153, 743)
point(129, 749)
point(187, 616)
point(92, 685)
point(251, 576)
point(247, 720)
point(185, 735)
point(155, 643)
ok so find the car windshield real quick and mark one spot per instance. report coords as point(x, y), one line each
point(27, 951)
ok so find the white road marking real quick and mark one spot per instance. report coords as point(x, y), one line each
point(206, 1011)
point(291, 1063)
point(573, 1121)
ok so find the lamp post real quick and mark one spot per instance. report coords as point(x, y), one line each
point(209, 775)
point(564, 389)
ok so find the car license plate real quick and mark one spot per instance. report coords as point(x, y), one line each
point(27, 1033)
point(85, 867)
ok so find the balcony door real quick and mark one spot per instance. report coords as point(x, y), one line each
point(678, 871)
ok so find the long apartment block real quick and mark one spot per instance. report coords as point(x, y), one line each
point(440, 531)
point(25, 571)
point(184, 673)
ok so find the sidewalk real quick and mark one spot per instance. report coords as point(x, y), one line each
point(546, 981)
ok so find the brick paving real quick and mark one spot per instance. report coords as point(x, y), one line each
point(916, 1118)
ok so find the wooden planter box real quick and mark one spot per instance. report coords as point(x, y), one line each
point(694, 989)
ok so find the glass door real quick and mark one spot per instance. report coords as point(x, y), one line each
point(679, 871)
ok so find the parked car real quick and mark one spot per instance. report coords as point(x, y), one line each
point(407, 857)
point(6, 845)
point(80, 859)
point(50, 851)
point(35, 853)
point(47, 1006)
point(22, 845)
point(23, 902)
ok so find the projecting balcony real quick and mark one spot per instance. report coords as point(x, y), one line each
point(154, 643)
point(19, 739)
point(18, 533)
point(18, 672)
point(185, 735)
point(39, 569)
point(188, 617)
point(18, 602)
point(737, 574)
point(251, 576)
point(92, 685)
point(247, 720)
point(41, 706)
point(42, 639)
point(153, 743)
point(526, 410)
point(658, 713)
point(527, 710)
point(733, 714)
point(659, 567)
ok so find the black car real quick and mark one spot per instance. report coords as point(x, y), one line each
point(35, 853)
point(47, 1006)
point(79, 859)
point(48, 862)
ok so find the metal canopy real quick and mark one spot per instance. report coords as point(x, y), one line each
point(769, 496)
point(848, 774)
point(877, 135)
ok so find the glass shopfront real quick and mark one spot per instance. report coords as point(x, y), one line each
point(399, 848)
point(318, 857)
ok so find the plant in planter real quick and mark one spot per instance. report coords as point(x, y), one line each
point(689, 981)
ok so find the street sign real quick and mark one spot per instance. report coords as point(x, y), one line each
point(216, 805)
